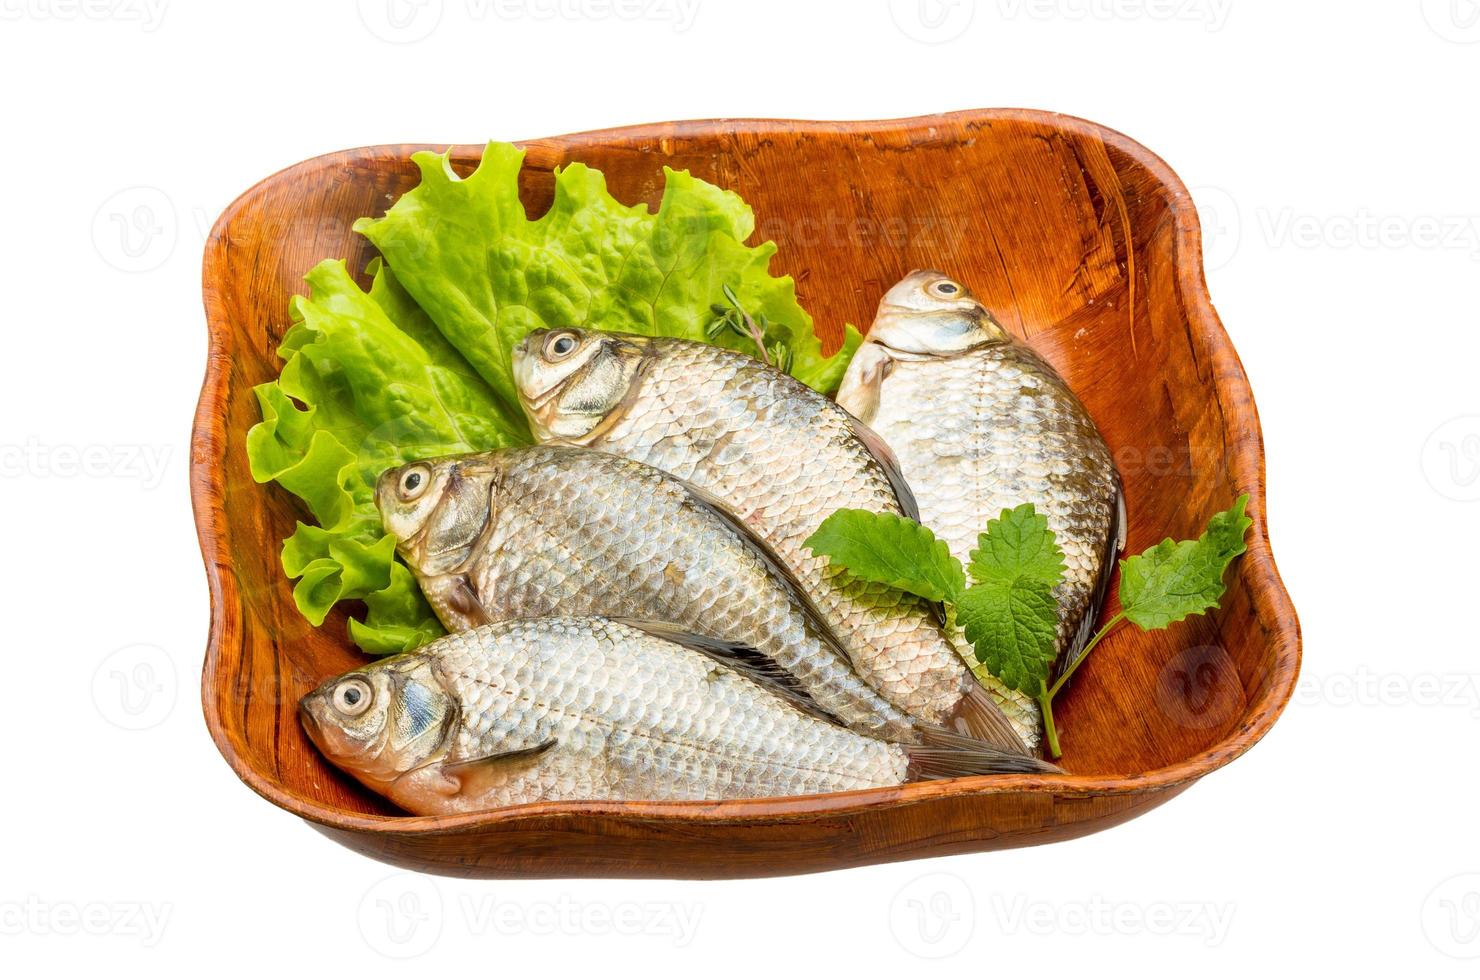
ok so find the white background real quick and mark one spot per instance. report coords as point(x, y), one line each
point(1333, 148)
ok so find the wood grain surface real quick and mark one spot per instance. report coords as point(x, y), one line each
point(1080, 240)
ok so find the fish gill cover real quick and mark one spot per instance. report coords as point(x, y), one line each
point(420, 365)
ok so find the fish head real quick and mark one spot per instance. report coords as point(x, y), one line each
point(927, 312)
point(437, 509)
point(381, 721)
point(570, 380)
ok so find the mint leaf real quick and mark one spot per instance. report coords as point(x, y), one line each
point(1176, 579)
point(1012, 626)
point(1010, 615)
point(891, 550)
point(1018, 545)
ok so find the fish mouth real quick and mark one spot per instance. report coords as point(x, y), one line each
point(538, 407)
point(534, 400)
point(892, 330)
point(411, 548)
point(904, 353)
point(309, 720)
point(537, 401)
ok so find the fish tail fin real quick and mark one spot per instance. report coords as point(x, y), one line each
point(978, 716)
point(943, 754)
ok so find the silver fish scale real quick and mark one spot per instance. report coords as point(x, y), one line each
point(586, 533)
point(635, 717)
point(784, 458)
point(994, 428)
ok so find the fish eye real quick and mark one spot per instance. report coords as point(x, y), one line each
point(414, 482)
point(945, 288)
point(559, 345)
point(352, 697)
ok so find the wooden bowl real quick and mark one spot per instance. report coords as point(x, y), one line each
point(1079, 238)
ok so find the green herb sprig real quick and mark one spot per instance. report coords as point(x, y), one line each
point(1008, 612)
point(772, 341)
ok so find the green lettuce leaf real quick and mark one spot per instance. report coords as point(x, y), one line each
point(368, 383)
point(487, 275)
point(420, 365)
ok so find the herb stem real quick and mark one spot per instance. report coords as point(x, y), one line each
point(1113, 622)
point(1045, 704)
point(757, 336)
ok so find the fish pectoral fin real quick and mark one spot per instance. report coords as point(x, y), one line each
point(454, 601)
point(864, 380)
point(464, 602)
point(889, 463)
point(744, 660)
point(474, 775)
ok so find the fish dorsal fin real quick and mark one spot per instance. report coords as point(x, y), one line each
point(474, 776)
point(774, 562)
point(746, 661)
point(1122, 523)
point(889, 463)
